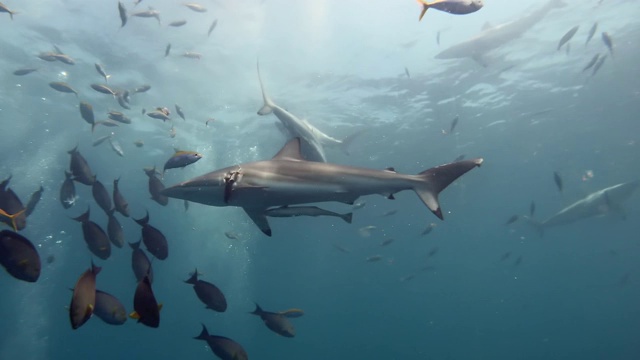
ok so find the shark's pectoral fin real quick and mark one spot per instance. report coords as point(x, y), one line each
point(260, 219)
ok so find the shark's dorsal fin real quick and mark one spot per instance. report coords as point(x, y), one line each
point(290, 151)
point(486, 26)
point(258, 217)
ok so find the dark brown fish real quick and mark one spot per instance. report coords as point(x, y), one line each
point(94, 236)
point(83, 301)
point(155, 187)
point(196, 7)
point(67, 192)
point(153, 239)
point(558, 180)
point(512, 219)
point(109, 309)
point(606, 38)
point(19, 257)
point(566, 37)
point(179, 112)
point(63, 87)
point(102, 72)
point(114, 230)
point(222, 347)
point(121, 204)
point(86, 111)
point(178, 23)
point(208, 293)
point(119, 117)
point(80, 168)
point(123, 14)
point(212, 27)
point(26, 71)
point(33, 201)
point(141, 89)
point(158, 115)
point(145, 306)
point(63, 58)
point(12, 212)
point(275, 322)
point(103, 89)
point(140, 263)
point(101, 196)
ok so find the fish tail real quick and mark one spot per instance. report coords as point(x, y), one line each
point(95, 269)
point(258, 311)
point(144, 220)
point(425, 7)
point(346, 142)
point(74, 150)
point(12, 217)
point(204, 334)
point(67, 174)
point(106, 78)
point(193, 279)
point(267, 107)
point(84, 217)
point(347, 217)
point(135, 245)
point(432, 181)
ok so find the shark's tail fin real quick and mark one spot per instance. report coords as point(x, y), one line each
point(346, 142)
point(431, 182)
point(268, 104)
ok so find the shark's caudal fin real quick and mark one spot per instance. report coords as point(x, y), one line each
point(436, 179)
point(268, 104)
point(346, 142)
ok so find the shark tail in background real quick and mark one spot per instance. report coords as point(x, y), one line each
point(267, 108)
point(431, 182)
point(346, 142)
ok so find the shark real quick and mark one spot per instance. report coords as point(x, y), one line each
point(492, 37)
point(313, 140)
point(289, 179)
point(602, 202)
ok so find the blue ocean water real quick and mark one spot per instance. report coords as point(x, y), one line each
point(471, 289)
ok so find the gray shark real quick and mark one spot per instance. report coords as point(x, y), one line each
point(313, 140)
point(288, 179)
point(493, 37)
point(601, 202)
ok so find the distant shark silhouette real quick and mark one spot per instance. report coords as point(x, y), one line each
point(601, 202)
point(493, 37)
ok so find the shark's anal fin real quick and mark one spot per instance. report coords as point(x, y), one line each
point(260, 219)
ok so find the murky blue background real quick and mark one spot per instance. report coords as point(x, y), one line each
point(572, 295)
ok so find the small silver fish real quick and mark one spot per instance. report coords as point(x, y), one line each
point(115, 146)
point(101, 71)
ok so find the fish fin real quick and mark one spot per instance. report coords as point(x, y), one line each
point(204, 334)
point(258, 217)
point(425, 7)
point(347, 217)
point(12, 217)
point(391, 197)
point(290, 151)
point(144, 220)
point(89, 310)
point(267, 108)
point(346, 142)
point(258, 311)
point(134, 315)
point(432, 181)
point(193, 279)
